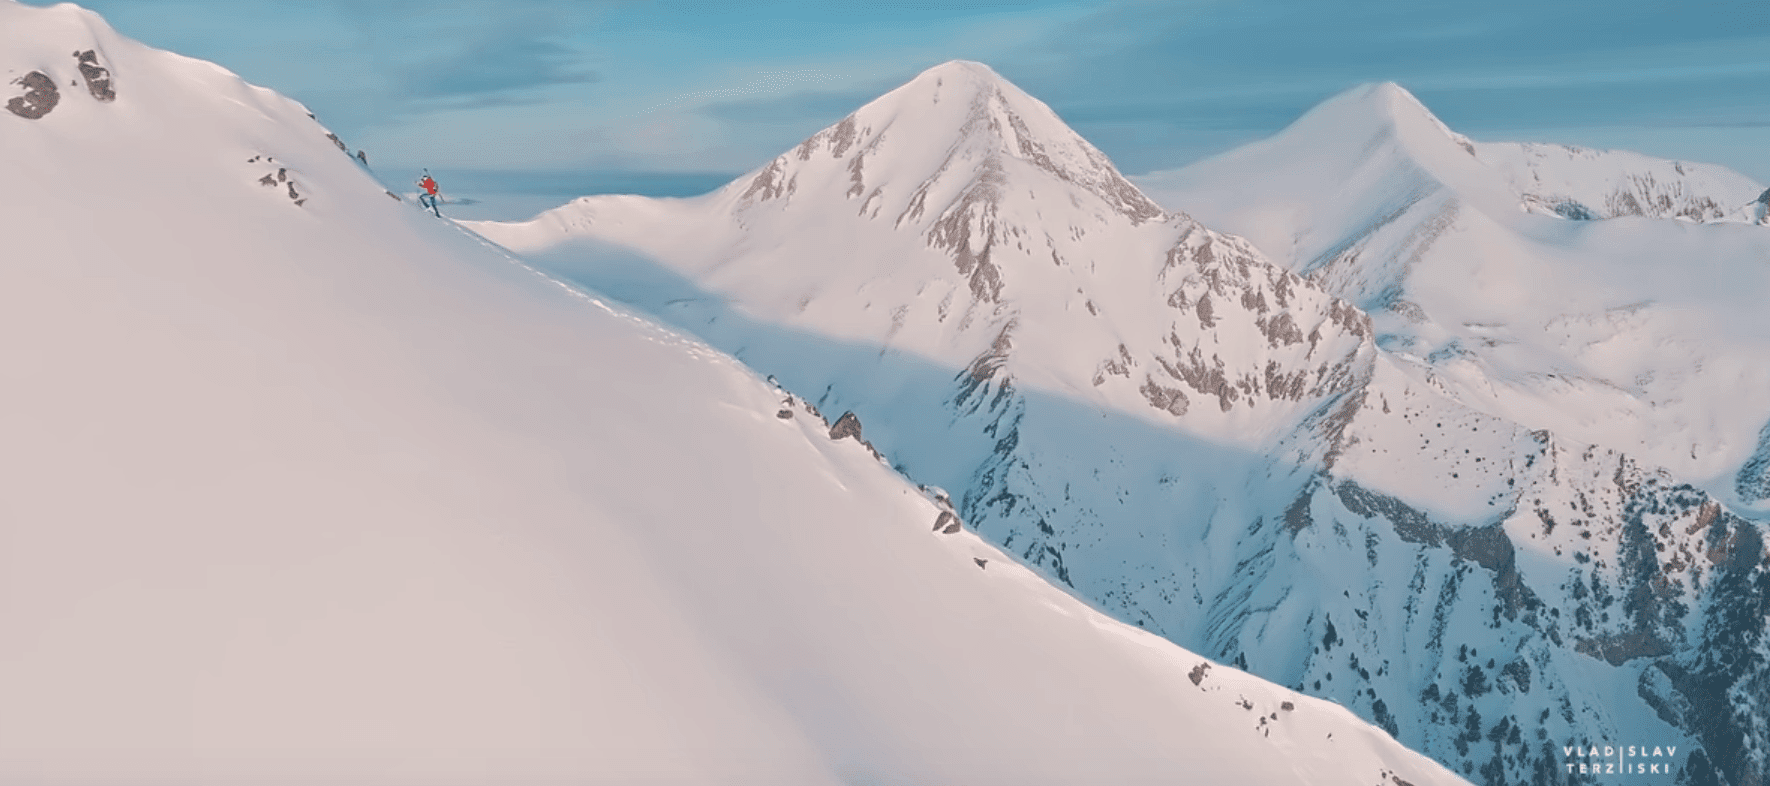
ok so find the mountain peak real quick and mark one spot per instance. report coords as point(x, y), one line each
point(953, 129)
point(959, 80)
point(27, 24)
point(1387, 108)
point(960, 69)
point(958, 155)
point(1391, 93)
point(960, 96)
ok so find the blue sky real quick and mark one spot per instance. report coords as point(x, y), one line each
point(531, 102)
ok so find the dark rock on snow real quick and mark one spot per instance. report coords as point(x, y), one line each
point(40, 96)
point(97, 77)
point(946, 523)
point(846, 426)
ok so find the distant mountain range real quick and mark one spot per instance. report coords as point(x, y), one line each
point(1470, 438)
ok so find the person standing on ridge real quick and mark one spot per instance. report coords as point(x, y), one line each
point(429, 198)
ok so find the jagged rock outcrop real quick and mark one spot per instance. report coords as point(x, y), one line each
point(846, 426)
point(39, 98)
point(40, 95)
point(96, 76)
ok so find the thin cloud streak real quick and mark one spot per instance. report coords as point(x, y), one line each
point(766, 83)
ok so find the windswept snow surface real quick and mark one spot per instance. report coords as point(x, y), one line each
point(1237, 454)
point(1603, 295)
point(320, 489)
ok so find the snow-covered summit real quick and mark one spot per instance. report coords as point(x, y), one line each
point(1377, 149)
point(1606, 296)
point(1349, 166)
point(938, 134)
point(955, 161)
point(955, 128)
point(1381, 109)
point(978, 230)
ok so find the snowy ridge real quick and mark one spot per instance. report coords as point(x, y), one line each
point(973, 222)
point(1640, 335)
point(307, 486)
point(1582, 184)
point(1321, 469)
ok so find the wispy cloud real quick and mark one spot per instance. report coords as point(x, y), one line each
point(764, 83)
point(495, 64)
point(423, 57)
point(822, 107)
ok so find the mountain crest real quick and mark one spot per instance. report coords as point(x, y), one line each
point(956, 130)
point(1385, 108)
point(967, 162)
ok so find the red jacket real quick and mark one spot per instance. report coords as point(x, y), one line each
point(429, 185)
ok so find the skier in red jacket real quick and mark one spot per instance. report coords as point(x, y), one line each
point(429, 198)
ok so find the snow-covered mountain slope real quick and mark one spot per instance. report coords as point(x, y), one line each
point(1478, 266)
point(1583, 184)
point(1205, 444)
point(304, 486)
point(958, 221)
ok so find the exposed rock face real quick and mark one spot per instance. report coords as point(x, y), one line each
point(1583, 184)
point(39, 98)
point(846, 426)
point(1643, 195)
point(97, 77)
point(971, 250)
point(41, 95)
point(946, 523)
point(1659, 577)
